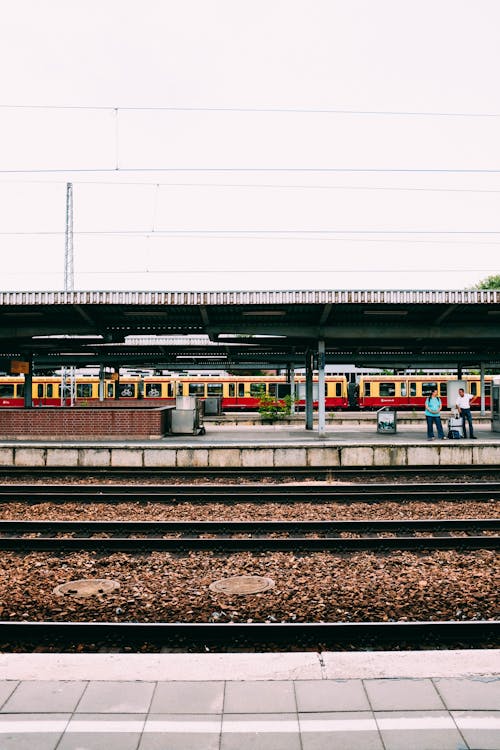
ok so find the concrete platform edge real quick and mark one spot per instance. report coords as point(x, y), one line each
point(261, 666)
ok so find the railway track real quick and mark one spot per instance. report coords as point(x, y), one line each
point(231, 536)
point(181, 536)
point(228, 493)
point(229, 473)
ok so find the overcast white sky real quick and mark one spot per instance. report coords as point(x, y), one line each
point(320, 144)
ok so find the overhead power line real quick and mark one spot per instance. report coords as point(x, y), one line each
point(258, 110)
point(231, 185)
point(253, 170)
point(262, 232)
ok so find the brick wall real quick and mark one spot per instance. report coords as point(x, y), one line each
point(83, 422)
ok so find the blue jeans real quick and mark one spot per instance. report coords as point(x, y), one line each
point(466, 415)
point(431, 421)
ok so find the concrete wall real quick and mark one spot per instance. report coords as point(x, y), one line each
point(80, 422)
point(187, 456)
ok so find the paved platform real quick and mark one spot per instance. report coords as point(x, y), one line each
point(436, 700)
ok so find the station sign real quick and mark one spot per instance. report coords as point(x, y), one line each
point(18, 367)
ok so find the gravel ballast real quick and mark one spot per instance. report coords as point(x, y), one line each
point(314, 587)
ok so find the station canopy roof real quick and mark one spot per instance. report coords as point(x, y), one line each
point(253, 329)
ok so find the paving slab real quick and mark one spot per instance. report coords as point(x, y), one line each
point(343, 730)
point(419, 730)
point(117, 697)
point(48, 696)
point(97, 731)
point(188, 698)
point(394, 694)
point(32, 732)
point(248, 731)
point(331, 695)
point(480, 729)
point(259, 697)
point(469, 693)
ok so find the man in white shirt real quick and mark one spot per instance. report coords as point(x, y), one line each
point(464, 400)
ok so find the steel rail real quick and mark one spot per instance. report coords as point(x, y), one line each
point(288, 493)
point(258, 472)
point(186, 535)
point(372, 526)
point(225, 636)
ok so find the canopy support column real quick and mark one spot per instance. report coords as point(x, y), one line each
point(101, 383)
point(291, 380)
point(321, 388)
point(483, 394)
point(309, 391)
point(28, 385)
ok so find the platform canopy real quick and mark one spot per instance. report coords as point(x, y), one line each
point(231, 329)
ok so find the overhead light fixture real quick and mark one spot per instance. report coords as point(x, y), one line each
point(201, 356)
point(66, 336)
point(389, 313)
point(264, 313)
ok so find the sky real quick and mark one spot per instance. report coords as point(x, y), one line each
point(217, 144)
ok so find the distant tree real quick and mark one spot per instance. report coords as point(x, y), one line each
point(490, 282)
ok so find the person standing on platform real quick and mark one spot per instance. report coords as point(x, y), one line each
point(464, 400)
point(433, 406)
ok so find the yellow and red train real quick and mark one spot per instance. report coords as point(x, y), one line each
point(239, 393)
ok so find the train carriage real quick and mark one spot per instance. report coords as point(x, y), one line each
point(411, 391)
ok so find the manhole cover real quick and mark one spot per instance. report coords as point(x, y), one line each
point(87, 587)
point(242, 585)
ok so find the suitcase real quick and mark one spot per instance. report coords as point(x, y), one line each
point(455, 428)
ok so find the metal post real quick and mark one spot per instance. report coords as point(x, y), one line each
point(321, 388)
point(309, 391)
point(68, 287)
point(101, 383)
point(69, 281)
point(291, 380)
point(482, 389)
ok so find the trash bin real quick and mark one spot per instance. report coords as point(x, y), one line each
point(213, 406)
point(387, 420)
point(187, 417)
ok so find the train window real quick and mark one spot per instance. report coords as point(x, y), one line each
point(126, 390)
point(427, 389)
point(338, 389)
point(170, 390)
point(39, 390)
point(487, 389)
point(49, 390)
point(83, 390)
point(241, 390)
point(273, 389)
point(387, 389)
point(473, 388)
point(403, 389)
point(180, 389)
point(20, 390)
point(153, 390)
point(110, 390)
point(6, 390)
point(197, 389)
point(257, 390)
point(214, 389)
point(442, 389)
point(413, 388)
point(368, 389)
point(231, 390)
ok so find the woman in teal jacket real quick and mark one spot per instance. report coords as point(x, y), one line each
point(433, 406)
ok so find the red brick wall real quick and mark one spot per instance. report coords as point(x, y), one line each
point(77, 422)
